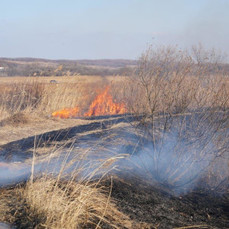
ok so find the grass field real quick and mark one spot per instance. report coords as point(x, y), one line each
point(26, 103)
point(26, 93)
point(60, 79)
point(177, 141)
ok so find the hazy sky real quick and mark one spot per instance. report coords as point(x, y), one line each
point(94, 29)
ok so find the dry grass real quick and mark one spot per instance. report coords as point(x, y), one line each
point(61, 79)
point(26, 103)
point(67, 198)
point(38, 95)
point(47, 203)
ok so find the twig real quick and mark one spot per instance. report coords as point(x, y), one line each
point(194, 226)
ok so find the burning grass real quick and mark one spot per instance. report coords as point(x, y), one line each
point(39, 96)
point(67, 113)
point(102, 105)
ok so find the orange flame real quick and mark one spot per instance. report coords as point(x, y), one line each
point(66, 113)
point(104, 105)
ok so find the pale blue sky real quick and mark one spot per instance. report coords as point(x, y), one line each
point(94, 29)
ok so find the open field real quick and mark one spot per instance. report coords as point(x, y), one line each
point(48, 94)
point(61, 79)
point(148, 150)
point(44, 67)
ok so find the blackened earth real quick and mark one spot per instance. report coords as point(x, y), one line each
point(153, 205)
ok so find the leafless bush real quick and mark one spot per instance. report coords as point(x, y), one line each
point(207, 61)
point(185, 116)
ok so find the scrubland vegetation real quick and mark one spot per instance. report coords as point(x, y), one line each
point(179, 100)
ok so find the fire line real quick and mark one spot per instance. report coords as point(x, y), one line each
point(103, 104)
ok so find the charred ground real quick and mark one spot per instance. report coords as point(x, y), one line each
point(150, 205)
point(158, 208)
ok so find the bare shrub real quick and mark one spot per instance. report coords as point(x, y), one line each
point(207, 61)
point(185, 116)
point(158, 78)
